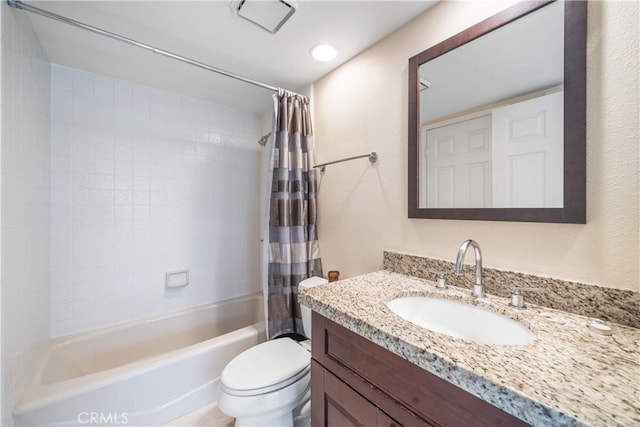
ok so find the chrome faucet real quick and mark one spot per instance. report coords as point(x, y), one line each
point(478, 286)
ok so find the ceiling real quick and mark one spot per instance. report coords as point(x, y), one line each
point(207, 31)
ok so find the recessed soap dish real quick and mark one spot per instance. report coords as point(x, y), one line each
point(599, 327)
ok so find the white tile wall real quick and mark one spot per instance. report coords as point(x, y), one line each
point(143, 182)
point(25, 205)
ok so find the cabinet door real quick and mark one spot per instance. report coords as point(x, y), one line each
point(336, 404)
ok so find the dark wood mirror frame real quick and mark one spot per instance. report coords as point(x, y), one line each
point(575, 198)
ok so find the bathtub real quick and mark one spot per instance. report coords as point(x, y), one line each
point(143, 373)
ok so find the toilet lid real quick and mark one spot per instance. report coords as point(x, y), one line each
point(266, 364)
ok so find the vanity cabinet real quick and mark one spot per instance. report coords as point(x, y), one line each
point(358, 383)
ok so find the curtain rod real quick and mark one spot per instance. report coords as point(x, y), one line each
point(23, 6)
point(373, 157)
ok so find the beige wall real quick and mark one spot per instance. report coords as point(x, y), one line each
point(362, 107)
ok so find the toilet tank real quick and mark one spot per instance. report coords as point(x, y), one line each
point(306, 311)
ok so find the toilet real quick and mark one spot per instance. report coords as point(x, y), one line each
point(270, 383)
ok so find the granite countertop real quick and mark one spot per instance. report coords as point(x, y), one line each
point(567, 376)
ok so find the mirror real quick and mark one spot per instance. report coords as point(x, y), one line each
point(497, 119)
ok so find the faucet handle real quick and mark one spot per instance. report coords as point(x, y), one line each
point(441, 283)
point(517, 299)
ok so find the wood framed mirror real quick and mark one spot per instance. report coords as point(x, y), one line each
point(497, 119)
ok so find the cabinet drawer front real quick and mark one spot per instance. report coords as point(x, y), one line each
point(437, 401)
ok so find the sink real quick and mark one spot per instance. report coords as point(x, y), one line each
point(460, 320)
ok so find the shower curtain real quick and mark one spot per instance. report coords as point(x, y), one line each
point(293, 251)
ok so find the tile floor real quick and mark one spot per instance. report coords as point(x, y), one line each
point(209, 416)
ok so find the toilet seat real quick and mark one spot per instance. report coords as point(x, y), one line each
point(268, 389)
point(265, 368)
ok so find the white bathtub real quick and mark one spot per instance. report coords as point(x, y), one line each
point(143, 373)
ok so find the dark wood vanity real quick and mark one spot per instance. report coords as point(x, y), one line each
point(358, 383)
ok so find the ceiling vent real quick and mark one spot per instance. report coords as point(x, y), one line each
point(267, 14)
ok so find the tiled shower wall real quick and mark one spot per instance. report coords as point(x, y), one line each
point(145, 182)
point(25, 205)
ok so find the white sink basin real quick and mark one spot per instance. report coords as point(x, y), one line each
point(460, 320)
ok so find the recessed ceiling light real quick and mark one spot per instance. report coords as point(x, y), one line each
point(323, 52)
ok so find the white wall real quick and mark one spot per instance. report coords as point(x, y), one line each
point(145, 182)
point(25, 205)
point(362, 107)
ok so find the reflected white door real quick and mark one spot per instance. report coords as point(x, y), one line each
point(458, 165)
point(528, 153)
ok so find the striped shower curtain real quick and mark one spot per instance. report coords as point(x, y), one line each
point(293, 250)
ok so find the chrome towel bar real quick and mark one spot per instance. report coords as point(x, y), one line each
point(373, 157)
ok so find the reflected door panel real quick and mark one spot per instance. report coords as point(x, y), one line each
point(527, 153)
point(458, 164)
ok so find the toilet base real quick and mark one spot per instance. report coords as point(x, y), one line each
point(299, 417)
point(303, 416)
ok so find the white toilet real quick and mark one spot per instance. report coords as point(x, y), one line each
point(270, 384)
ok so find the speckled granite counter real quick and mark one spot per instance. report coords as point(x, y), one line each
point(567, 376)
